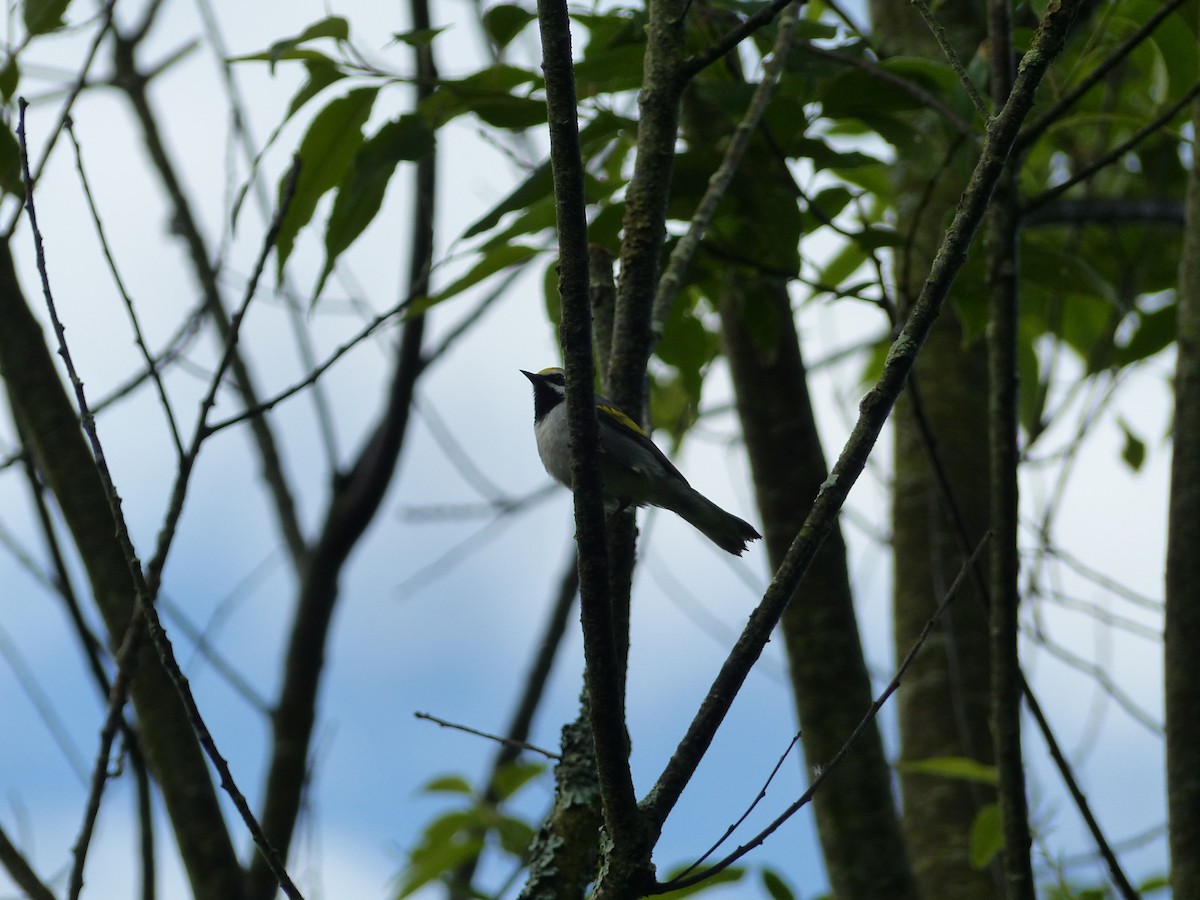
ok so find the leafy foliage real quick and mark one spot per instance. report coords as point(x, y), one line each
point(461, 834)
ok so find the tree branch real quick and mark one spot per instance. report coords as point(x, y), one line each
point(1003, 272)
point(630, 856)
point(722, 178)
point(357, 496)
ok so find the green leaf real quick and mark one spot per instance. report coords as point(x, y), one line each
point(447, 784)
point(321, 74)
point(725, 876)
point(987, 838)
point(11, 181)
point(860, 94)
point(299, 53)
point(334, 27)
point(539, 185)
point(495, 260)
point(504, 21)
point(550, 294)
point(776, 887)
point(447, 842)
point(959, 767)
point(42, 16)
point(674, 404)
point(842, 264)
point(687, 344)
point(831, 201)
point(509, 112)
point(1154, 883)
point(514, 776)
point(326, 152)
point(10, 75)
point(617, 69)
point(360, 196)
point(1134, 451)
point(418, 37)
point(1032, 400)
point(489, 94)
point(1155, 331)
point(515, 836)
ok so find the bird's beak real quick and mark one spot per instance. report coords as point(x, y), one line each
point(529, 375)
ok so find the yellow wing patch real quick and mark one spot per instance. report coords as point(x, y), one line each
point(613, 413)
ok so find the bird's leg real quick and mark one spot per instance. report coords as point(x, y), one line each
point(620, 508)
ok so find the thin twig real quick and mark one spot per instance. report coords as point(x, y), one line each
point(65, 113)
point(256, 411)
point(21, 872)
point(762, 794)
point(139, 338)
point(295, 312)
point(698, 62)
point(499, 739)
point(145, 586)
point(718, 185)
point(824, 773)
point(1115, 153)
point(134, 83)
point(875, 70)
point(943, 40)
point(1034, 130)
point(202, 431)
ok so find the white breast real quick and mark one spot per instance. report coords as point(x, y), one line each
point(551, 434)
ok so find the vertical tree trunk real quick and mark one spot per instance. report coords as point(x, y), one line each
point(943, 703)
point(1182, 631)
point(855, 809)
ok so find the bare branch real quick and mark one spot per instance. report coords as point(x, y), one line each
point(722, 178)
point(826, 770)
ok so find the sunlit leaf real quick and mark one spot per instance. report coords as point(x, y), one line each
point(447, 842)
point(987, 838)
point(958, 767)
point(447, 784)
point(515, 835)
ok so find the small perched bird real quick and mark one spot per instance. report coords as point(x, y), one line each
point(634, 470)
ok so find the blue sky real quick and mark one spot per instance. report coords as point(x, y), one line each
point(457, 645)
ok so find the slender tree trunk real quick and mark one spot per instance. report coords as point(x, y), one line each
point(1182, 632)
point(50, 424)
point(856, 808)
point(943, 703)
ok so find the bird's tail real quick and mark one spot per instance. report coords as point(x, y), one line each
point(724, 529)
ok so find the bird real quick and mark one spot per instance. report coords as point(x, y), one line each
point(634, 470)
